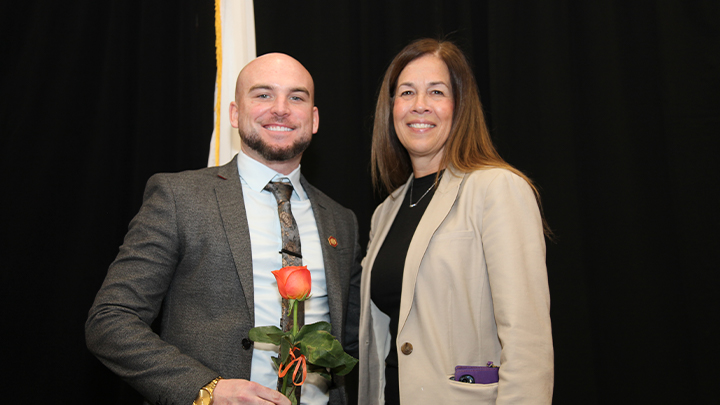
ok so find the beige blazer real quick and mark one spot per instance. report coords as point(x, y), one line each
point(474, 290)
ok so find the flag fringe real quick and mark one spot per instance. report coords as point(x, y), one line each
point(218, 80)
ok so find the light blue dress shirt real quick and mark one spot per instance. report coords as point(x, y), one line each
point(266, 242)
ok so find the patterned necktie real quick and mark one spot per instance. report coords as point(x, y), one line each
point(290, 253)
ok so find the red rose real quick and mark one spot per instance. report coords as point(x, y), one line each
point(293, 282)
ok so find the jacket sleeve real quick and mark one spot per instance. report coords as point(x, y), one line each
point(118, 329)
point(514, 248)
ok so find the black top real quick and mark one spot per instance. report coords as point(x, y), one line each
point(387, 271)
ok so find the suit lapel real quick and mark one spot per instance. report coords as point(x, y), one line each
point(434, 215)
point(326, 228)
point(231, 205)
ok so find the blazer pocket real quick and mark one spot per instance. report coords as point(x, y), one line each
point(341, 257)
point(466, 393)
point(344, 251)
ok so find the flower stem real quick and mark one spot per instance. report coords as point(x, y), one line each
point(294, 305)
point(295, 324)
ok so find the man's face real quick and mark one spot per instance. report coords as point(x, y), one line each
point(274, 109)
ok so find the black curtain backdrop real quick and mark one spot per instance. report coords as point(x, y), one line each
point(611, 107)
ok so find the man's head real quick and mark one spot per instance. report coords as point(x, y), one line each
point(274, 110)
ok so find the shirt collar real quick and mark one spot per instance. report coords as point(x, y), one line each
point(256, 175)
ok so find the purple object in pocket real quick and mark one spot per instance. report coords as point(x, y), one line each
point(477, 374)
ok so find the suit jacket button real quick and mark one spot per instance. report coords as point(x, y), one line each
point(246, 343)
point(406, 348)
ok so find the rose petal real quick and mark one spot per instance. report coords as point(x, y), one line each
point(298, 284)
point(282, 276)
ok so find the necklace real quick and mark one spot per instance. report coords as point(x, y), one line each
point(424, 194)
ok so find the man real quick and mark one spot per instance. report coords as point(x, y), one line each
point(200, 251)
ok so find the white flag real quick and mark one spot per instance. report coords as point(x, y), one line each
point(235, 47)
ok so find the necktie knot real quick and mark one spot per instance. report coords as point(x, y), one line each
point(280, 190)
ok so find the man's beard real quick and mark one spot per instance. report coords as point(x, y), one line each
point(271, 153)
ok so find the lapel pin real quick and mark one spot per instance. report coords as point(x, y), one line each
point(332, 241)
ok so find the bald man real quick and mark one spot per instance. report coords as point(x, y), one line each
point(199, 253)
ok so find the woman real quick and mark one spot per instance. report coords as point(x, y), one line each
point(455, 271)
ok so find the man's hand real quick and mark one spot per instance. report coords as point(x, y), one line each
point(236, 392)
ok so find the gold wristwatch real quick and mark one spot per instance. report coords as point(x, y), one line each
point(205, 397)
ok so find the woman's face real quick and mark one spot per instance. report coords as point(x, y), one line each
point(423, 112)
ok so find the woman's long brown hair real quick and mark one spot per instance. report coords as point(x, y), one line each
point(469, 146)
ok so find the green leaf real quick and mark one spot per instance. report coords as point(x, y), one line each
point(319, 370)
point(312, 328)
point(322, 349)
point(285, 345)
point(266, 334)
point(290, 393)
point(349, 363)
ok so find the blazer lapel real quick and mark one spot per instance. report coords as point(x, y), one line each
point(434, 215)
point(232, 211)
point(326, 228)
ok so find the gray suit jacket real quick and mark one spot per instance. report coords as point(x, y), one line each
point(186, 262)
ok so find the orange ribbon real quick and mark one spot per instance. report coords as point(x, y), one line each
point(302, 362)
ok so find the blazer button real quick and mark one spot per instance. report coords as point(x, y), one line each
point(406, 348)
point(246, 343)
